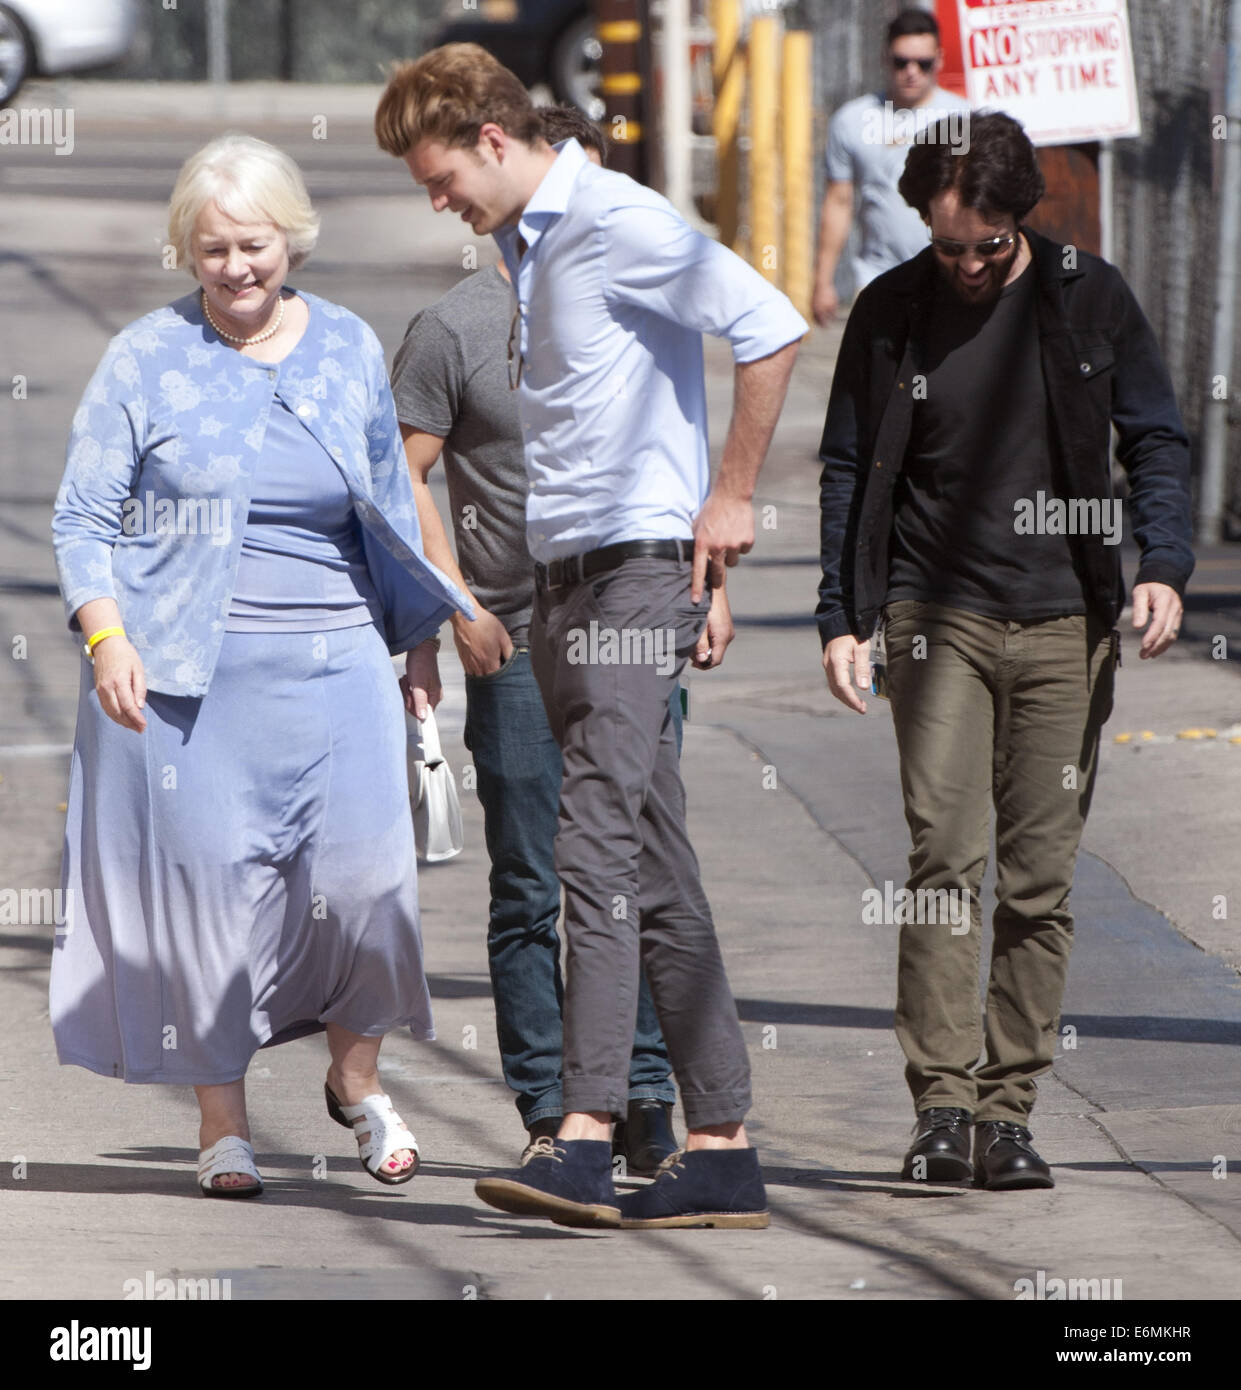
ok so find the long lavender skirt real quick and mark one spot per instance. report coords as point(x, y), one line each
point(241, 873)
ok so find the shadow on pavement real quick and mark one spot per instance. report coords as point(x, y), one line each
point(1135, 1027)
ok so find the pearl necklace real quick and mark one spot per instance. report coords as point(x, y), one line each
point(232, 337)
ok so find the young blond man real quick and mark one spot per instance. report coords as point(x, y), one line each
point(613, 292)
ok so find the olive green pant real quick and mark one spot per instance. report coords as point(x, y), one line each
point(1007, 712)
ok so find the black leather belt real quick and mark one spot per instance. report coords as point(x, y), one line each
point(573, 569)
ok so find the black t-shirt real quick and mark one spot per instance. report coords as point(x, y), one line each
point(980, 442)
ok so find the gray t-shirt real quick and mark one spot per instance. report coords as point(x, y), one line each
point(867, 142)
point(450, 378)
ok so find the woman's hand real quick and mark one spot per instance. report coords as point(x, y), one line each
point(421, 682)
point(120, 682)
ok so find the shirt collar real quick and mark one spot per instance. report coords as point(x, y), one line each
point(549, 200)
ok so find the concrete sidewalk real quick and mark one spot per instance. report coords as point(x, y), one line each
point(108, 1193)
point(795, 811)
point(1134, 1120)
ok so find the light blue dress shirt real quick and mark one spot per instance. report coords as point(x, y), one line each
point(161, 460)
point(613, 295)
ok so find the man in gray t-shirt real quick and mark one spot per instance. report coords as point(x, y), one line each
point(450, 382)
point(867, 142)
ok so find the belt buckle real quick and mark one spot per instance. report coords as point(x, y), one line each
point(555, 575)
point(563, 573)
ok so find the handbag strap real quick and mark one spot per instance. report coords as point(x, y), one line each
point(432, 753)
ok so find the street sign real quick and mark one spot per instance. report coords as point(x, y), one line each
point(1063, 68)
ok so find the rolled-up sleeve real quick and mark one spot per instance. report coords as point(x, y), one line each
point(102, 461)
point(657, 261)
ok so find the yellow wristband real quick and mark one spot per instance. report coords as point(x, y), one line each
point(103, 632)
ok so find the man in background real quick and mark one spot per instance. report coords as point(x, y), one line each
point(867, 143)
point(453, 397)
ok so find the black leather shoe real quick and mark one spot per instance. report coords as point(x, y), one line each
point(1005, 1158)
point(644, 1138)
point(941, 1151)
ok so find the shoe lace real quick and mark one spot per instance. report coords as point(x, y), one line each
point(1010, 1130)
point(542, 1147)
point(938, 1117)
point(670, 1164)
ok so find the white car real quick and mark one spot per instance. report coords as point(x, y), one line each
point(39, 38)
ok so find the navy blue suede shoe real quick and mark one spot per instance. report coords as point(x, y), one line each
point(568, 1180)
point(702, 1187)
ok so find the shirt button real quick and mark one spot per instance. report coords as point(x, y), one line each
point(304, 410)
point(1085, 366)
point(271, 372)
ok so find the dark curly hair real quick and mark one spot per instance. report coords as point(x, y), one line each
point(997, 174)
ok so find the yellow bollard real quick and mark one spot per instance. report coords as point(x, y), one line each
point(764, 168)
point(728, 81)
point(796, 147)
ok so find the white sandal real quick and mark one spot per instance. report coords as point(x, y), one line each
point(388, 1133)
point(228, 1155)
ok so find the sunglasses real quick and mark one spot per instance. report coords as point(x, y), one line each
point(988, 250)
point(514, 381)
point(900, 64)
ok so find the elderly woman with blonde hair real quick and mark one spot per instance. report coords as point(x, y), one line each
point(238, 544)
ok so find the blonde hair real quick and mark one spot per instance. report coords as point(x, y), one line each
point(448, 95)
point(249, 181)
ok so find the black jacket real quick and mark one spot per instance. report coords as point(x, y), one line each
point(1101, 366)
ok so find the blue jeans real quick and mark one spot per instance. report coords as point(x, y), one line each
point(518, 767)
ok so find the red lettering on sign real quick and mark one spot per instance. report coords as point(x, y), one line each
point(993, 47)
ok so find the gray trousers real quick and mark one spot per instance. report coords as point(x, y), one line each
point(606, 653)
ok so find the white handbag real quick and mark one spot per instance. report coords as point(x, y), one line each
point(432, 793)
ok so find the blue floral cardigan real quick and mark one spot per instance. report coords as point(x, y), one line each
point(171, 428)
